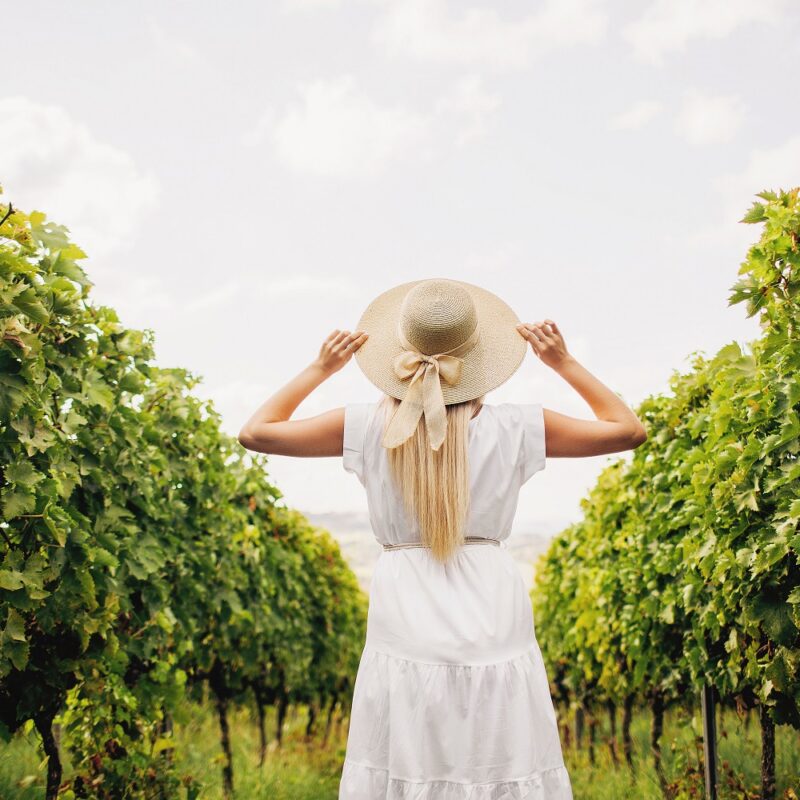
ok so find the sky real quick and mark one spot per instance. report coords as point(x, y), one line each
point(247, 177)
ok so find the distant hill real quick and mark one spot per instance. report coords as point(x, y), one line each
point(353, 531)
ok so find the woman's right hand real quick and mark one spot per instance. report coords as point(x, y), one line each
point(546, 341)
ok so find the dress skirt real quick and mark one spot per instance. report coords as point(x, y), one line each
point(451, 698)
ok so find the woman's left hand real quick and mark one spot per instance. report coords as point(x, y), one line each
point(338, 349)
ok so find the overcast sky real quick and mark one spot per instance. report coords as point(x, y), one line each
point(246, 177)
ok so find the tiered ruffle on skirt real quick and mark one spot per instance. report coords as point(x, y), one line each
point(451, 698)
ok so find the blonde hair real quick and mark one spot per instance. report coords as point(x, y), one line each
point(434, 484)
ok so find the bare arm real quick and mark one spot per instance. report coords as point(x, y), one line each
point(270, 429)
point(616, 429)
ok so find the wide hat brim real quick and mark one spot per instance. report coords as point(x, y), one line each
point(497, 355)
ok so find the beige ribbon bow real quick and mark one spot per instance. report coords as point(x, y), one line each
point(424, 393)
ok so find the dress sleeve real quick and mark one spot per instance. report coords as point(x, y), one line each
point(532, 451)
point(355, 428)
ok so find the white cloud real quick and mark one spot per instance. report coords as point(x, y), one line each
point(426, 30)
point(772, 168)
point(304, 285)
point(471, 105)
point(53, 163)
point(767, 168)
point(338, 130)
point(637, 116)
point(497, 260)
point(294, 5)
point(217, 296)
point(260, 130)
point(171, 45)
point(133, 297)
point(703, 119)
point(667, 25)
point(140, 297)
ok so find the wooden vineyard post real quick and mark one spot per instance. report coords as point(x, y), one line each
point(709, 740)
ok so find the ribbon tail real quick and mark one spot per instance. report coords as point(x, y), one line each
point(434, 409)
point(406, 418)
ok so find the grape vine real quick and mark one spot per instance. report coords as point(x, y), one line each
point(683, 570)
point(145, 557)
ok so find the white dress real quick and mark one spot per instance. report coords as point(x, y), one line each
point(451, 699)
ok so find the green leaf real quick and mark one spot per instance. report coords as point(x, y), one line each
point(10, 579)
point(22, 473)
point(100, 395)
point(17, 502)
point(773, 615)
point(31, 306)
point(755, 214)
point(17, 653)
point(15, 627)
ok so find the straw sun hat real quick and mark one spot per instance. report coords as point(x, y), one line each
point(436, 342)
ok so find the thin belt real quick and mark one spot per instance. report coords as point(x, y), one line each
point(467, 540)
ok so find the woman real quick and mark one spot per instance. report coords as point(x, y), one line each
point(451, 699)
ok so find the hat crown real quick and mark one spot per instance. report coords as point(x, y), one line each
point(437, 316)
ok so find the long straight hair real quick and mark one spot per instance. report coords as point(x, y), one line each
point(435, 484)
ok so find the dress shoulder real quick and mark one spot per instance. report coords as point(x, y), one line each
point(521, 427)
point(357, 417)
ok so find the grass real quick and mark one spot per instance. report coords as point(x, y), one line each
point(296, 771)
point(310, 771)
point(738, 754)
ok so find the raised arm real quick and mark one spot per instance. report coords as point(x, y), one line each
point(270, 430)
point(616, 428)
